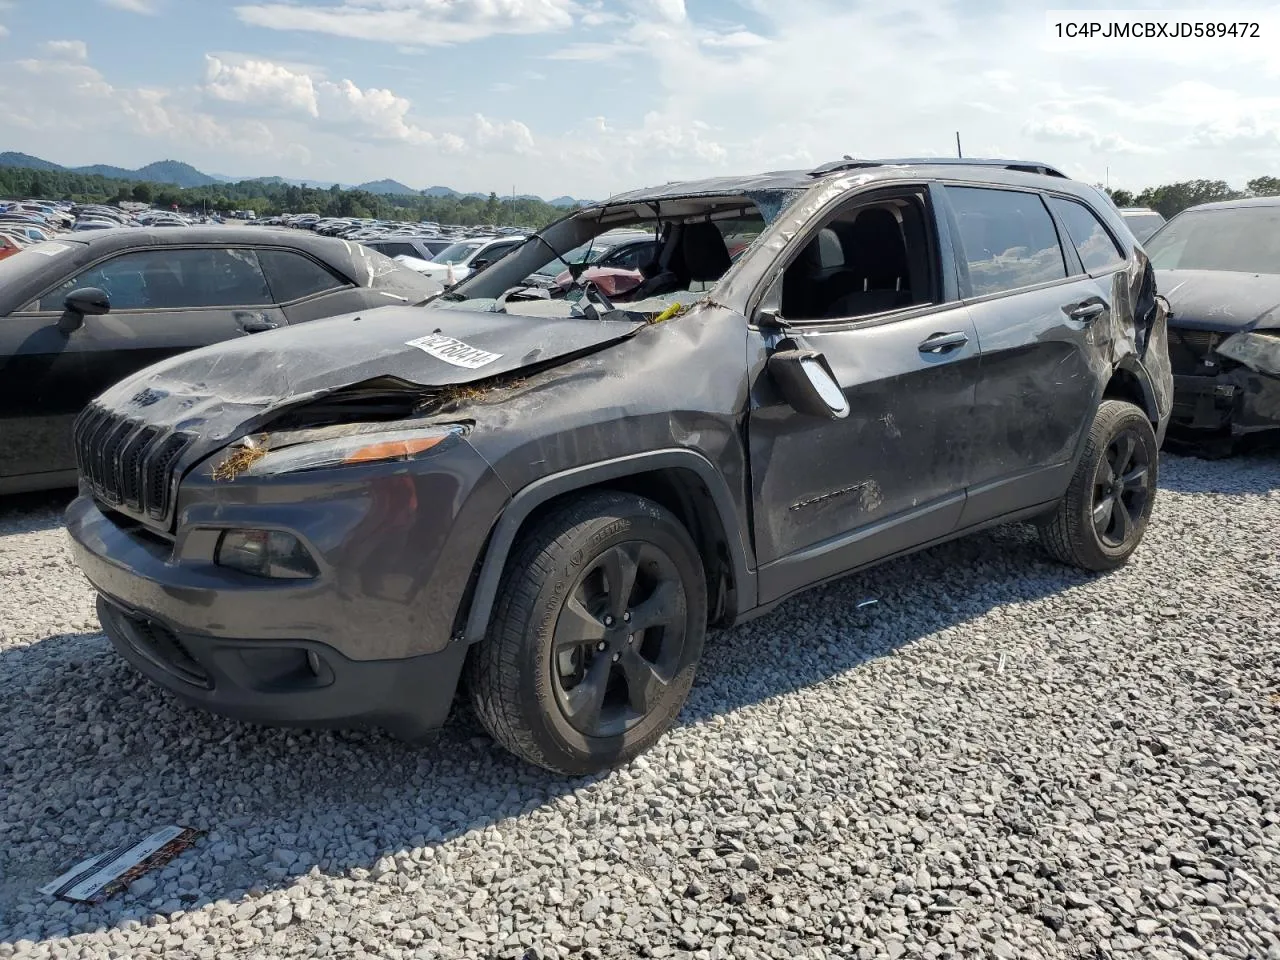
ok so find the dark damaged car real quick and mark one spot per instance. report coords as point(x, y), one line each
point(551, 500)
point(1219, 267)
point(80, 313)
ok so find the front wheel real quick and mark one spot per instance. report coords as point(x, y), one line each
point(596, 634)
point(1104, 514)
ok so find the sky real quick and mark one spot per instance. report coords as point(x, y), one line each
point(591, 97)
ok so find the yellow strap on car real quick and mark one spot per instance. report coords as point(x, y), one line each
point(667, 314)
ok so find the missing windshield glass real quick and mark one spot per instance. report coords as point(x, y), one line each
point(627, 258)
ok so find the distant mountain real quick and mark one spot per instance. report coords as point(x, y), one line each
point(26, 161)
point(175, 172)
point(103, 170)
point(184, 175)
point(165, 171)
point(388, 188)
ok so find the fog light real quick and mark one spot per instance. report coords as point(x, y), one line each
point(313, 662)
point(266, 553)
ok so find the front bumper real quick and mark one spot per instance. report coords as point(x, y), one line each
point(1240, 402)
point(367, 642)
point(300, 683)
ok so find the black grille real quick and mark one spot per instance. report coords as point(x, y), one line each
point(1189, 349)
point(128, 465)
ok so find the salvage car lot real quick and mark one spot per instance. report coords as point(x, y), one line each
point(1001, 757)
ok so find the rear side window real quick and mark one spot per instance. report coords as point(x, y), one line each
point(1008, 237)
point(171, 280)
point(397, 249)
point(294, 276)
point(1098, 251)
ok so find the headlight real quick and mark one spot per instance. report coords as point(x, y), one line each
point(1259, 350)
point(266, 553)
point(348, 450)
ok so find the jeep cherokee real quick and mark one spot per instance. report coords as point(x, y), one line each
point(549, 501)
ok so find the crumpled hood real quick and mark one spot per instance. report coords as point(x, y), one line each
point(433, 347)
point(219, 393)
point(1220, 299)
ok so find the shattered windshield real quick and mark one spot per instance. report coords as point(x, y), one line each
point(691, 243)
point(1241, 239)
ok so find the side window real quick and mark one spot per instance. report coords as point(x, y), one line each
point(498, 251)
point(1008, 237)
point(869, 258)
point(1098, 251)
point(171, 280)
point(294, 276)
point(633, 257)
point(396, 249)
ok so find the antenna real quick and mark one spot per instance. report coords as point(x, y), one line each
point(959, 155)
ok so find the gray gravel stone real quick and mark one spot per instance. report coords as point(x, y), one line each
point(845, 782)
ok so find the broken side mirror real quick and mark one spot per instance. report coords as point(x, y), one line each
point(807, 384)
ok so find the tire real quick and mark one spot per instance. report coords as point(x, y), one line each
point(1082, 530)
point(554, 632)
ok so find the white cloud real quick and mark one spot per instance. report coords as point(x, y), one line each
point(75, 94)
point(134, 6)
point(379, 113)
point(263, 86)
point(4, 31)
point(421, 22)
point(66, 49)
point(260, 82)
point(510, 137)
point(737, 40)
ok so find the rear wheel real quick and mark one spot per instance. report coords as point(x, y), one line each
point(596, 634)
point(1104, 514)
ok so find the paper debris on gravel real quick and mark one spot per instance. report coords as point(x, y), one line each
point(95, 879)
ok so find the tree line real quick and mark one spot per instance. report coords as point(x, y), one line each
point(272, 197)
point(1172, 198)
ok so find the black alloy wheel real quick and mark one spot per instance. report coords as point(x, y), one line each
point(595, 636)
point(1121, 489)
point(619, 639)
point(1103, 514)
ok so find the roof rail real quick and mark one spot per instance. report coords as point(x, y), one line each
point(1023, 166)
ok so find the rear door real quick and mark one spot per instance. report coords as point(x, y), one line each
point(1036, 312)
point(832, 495)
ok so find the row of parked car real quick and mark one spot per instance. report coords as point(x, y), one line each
point(549, 495)
point(24, 222)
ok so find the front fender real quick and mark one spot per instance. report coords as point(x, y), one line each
point(529, 498)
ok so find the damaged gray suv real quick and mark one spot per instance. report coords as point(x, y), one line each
point(548, 501)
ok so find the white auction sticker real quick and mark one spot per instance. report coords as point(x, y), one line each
point(50, 248)
point(453, 351)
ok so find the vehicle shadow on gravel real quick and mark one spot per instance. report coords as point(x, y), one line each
point(97, 756)
point(31, 512)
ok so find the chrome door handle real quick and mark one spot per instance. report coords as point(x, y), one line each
point(1087, 312)
point(944, 342)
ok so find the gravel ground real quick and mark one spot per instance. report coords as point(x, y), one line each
point(1001, 758)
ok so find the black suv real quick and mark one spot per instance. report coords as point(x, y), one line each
point(551, 500)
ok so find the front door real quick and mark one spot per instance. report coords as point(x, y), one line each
point(833, 495)
point(164, 301)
